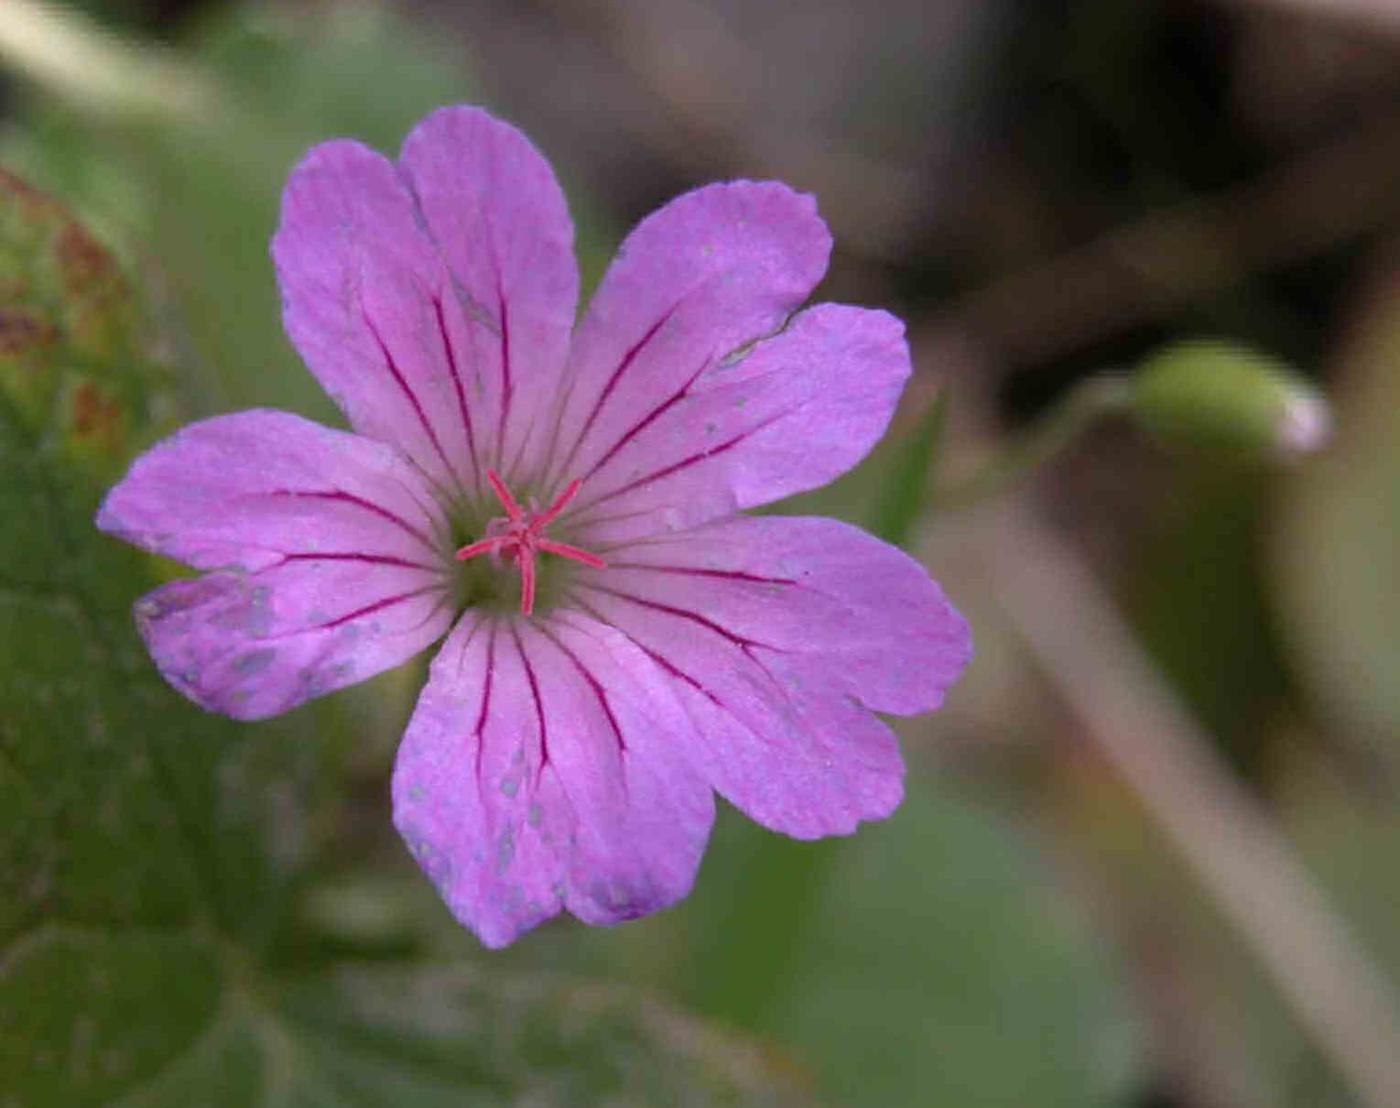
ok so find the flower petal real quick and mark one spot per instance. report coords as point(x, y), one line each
point(369, 304)
point(781, 635)
point(707, 274)
point(251, 489)
point(491, 204)
point(543, 769)
point(790, 414)
point(256, 645)
point(432, 298)
point(329, 565)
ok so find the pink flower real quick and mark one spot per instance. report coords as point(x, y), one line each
point(562, 503)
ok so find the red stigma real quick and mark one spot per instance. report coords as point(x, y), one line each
point(520, 536)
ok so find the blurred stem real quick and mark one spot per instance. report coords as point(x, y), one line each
point(78, 60)
point(1074, 413)
point(905, 490)
point(1338, 994)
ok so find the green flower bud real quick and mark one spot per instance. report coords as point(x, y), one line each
point(1222, 397)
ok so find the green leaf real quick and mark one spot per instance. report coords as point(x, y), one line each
point(909, 476)
point(83, 724)
point(155, 1021)
point(127, 845)
point(67, 333)
point(521, 1039)
point(92, 1014)
point(933, 942)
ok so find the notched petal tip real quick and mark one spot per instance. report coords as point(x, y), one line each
point(771, 212)
point(782, 636)
point(447, 126)
point(543, 770)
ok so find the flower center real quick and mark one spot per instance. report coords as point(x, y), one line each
point(518, 536)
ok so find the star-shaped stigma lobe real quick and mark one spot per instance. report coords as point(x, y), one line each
point(519, 535)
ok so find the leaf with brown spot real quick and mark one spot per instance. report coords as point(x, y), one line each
point(71, 360)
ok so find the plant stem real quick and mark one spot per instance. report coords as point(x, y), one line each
point(1075, 412)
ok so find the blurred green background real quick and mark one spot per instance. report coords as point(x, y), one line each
point(201, 913)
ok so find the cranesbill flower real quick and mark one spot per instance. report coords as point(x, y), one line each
point(563, 504)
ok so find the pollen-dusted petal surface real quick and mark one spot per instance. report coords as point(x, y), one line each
point(703, 276)
point(789, 414)
point(544, 768)
point(780, 636)
point(327, 565)
point(432, 299)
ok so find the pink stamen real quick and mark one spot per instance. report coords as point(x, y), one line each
point(513, 510)
point(482, 546)
point(564, 550)
point(560, 503)
point(527, 582)
point(522, 538)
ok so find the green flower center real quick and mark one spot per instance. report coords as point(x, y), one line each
point(507, 560)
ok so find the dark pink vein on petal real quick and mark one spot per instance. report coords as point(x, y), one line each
point(695, 571)
point(442, 601)
point(646, 421)
point(359, 501)
point(370, 609)
point(457, 385)
point(595, 685)
point(408, 392)
point(427, 509)
point(675, 671)
point(617, 517)
point(684, 613)
point(676, 467)
point(627, 359)
point(745, 645)
point(664, 662)
point(539, 704)
point(485, 701)
point(507, 385)
point(368, 559)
